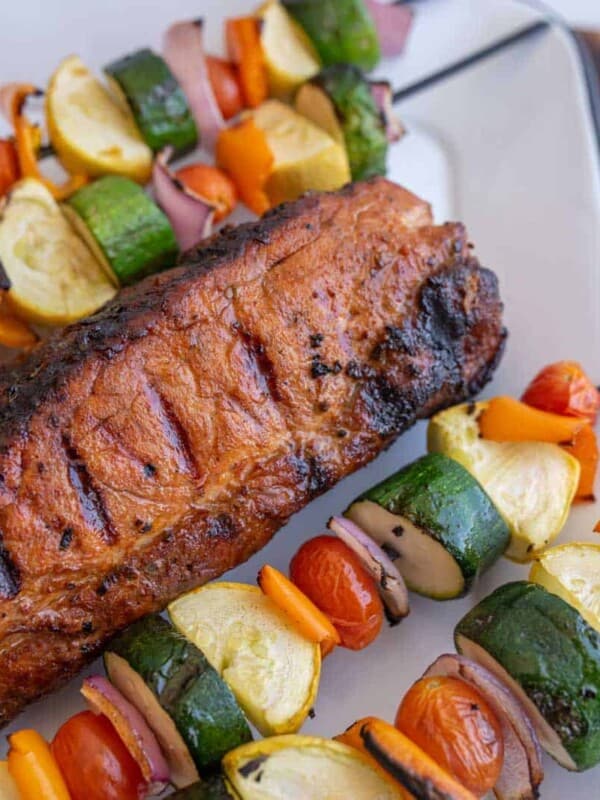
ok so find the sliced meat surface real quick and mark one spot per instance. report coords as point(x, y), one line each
point(159, 443)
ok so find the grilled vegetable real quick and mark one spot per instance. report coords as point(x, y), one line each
point(333, 577)
point(127, 232)
point(531, 484)
point(54, 278)
point(225, 85)
point(290, 57)
point(339, 100)
point(8, 788)
point(144, 82)
point(572, 571)
point(245, 51)
point(452, 723)
point(342, 31)
point(212, 788)
point(564, 388)
point(212, 184)
point(436, 523)
point(550, 657)
point(306, 767)
point(244, 153)
point(404, 760)
point(14, 332)
point(94, 761)
point(190, 709)
point(9, 165)
point(89, 131)
point(304, 157)
point(132, 728)
point(34, 769)
point(271, 668)
point(522, 771)
point(308, 619)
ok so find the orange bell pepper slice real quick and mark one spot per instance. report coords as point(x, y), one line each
point(564, 388)
point(33, 768)
point(243, 152)
point(14, 332)
point(508, 420)
point(245, 50)
point(401, 758)
point(308, 619)
point(9, 166)
point(27, 139)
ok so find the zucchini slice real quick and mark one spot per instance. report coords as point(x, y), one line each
point(404, 761)
point(339, 100)
point(304, 156)
point(271, 668)
point(213, 788)
point(90, 132)
point(54, 278)
point(188, 706)
point(143, 82)
point(305, 768)
point(550, 657)
point(572, 571)
point(290, 57)
point(342, 31)
point(436, 523)
point(123, 227)
point(532, 484)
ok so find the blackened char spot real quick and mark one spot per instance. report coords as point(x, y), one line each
point(315, 475)
point(390, 411)
point(10, 578)
point(222, 527)
point(90, 498)
point(263, 366)
point(401, 340)
point(66, 539)
point(252, 766)
point(390, 551)
point(174, 430)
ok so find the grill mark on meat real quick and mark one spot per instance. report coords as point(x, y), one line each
point(174, 430)
point(89, 496)
point(259, 362)
point(10, 579)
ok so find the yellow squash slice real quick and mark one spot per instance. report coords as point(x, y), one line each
point(532, 484)
point(90, 130)
point(304, 156)
point(289, 55)
point(305, 768)
point(271, 668)
point(54, 277)
point(572, 571)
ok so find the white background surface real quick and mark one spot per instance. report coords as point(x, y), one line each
point(508, 148)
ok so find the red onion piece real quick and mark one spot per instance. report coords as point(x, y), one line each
point(381, 92)
point(389, 581)
point(522, 771)
point(393, 22)
point(190, 214)
point(184, 53)
point(104, 698)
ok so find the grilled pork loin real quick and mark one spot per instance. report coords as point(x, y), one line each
point(157, 444)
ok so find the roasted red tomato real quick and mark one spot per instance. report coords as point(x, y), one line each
point(331, 575)
point(453, 724)
point(94, 762)
point(564, 388)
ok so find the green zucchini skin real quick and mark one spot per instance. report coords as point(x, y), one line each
point(212, 788)
point(157, 102)
point(547, 647)
point(199, 702)
point(342, 31)
point(363, 128)
point(439, 496)
point(132, 232)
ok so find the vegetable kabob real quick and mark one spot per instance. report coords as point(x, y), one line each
point(308, 123)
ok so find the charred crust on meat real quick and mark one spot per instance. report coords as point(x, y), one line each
point(87, 627)
point(398, 340)
point(10, 577)
point(316, 340)
point(149, 470)
point(221, 527)
point(66, 539)
point(142, 526)
point(359, 371)
point(260, 363)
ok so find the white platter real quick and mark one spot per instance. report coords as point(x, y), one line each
point(509, 148)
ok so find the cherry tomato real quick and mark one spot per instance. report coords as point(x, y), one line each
point(213, 184)
point(94, 762)
point(224, 82)
point(331, 575)
point(564, 388)
point(453, 724)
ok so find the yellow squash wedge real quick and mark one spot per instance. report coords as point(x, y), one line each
point(54, 277)
point(532, 484)
point(572, 571)
point(271, 668)
point(305, 768)
point(90, 130)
